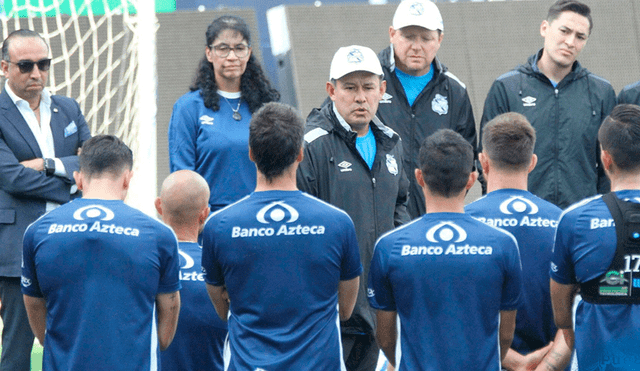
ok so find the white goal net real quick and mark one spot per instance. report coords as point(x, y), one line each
point(103, 55)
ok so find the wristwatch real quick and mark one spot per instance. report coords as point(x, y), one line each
point(49, 166)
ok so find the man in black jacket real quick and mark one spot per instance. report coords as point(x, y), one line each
point(564, 102)
point(353, 161)
point(630, 94)
point(422, 96)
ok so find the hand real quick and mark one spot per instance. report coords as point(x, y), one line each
point(36, 164)
point(533, 359)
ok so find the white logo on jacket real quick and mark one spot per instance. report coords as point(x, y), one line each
point(386, 98)
point(276, 212)
point(345, 166)
point(529, 101)
point(440, 105)
point(392, 165)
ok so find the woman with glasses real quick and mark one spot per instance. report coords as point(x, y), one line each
point(209, 127)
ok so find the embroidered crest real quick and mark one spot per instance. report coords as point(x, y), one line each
point(392, 165)
point(355, 56)
point(440, 105)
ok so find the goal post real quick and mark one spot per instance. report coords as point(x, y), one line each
point(104, 56)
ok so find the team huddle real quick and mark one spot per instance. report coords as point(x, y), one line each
point(292, 244)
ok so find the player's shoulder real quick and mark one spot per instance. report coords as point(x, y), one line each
point(189, 99)
point(324, 208)
point(582, 211)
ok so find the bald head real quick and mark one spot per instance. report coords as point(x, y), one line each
point(183, 196)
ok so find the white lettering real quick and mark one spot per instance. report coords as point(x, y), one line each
point(601, 223)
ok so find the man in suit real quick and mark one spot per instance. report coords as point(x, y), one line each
point(40, 135)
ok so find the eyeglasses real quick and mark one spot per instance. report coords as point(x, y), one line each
point(223, 50)
point(27, 66)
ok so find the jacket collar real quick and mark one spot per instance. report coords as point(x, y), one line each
point(531, 67)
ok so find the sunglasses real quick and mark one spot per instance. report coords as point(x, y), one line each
point(27, 66)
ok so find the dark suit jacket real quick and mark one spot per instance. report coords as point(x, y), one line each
point(23, 191)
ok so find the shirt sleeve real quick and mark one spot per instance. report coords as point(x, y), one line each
point(379, 290)
point(211, 268)
point(351, 266)
point(562, 269)
point(170, 262)
point(512, 284)
point(182, 137)
point(29, 281)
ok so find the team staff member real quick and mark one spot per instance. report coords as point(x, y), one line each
point(209, 127)
point(422, 96)
point(198, 344)
point(40, 135)
point(101, 279)
point(630, 94)
point(451, 281)
point(507, 159)
point(589, 253)
point(278, 262)
point(564, 102)
point(354, 162)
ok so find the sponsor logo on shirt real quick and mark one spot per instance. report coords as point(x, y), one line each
point(615, 281)
point(206, 120)
point(386, 98)
point(601, 223)
point(392, 165)
point(554, 267)
point(345, 166)
point(277, 212)
point(440, 105)
point(529, 101)
point(517, 206)
point(25, 281)
point(187, 262)
point(446, 237)
point(99, 212)
point(371, 292)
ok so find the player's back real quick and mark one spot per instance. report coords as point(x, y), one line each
point(533, 222)
point(281, 256)
point(100, 264)
point(448, 276)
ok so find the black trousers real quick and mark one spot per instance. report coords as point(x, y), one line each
point(360, 352)
point(17, 337)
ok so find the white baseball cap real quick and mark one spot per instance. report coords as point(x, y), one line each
point(354, 58)
point(421, 13)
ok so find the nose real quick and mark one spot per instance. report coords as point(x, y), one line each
point(35, 72)
point(360, 96)
point(571, 40)
point(232, 51)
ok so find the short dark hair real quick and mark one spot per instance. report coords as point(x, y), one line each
point(446, 160)
point(276, 132)
point(562, 6)
point(105, 154)
point(508, 140)
point(619, 135)
point(22, 33)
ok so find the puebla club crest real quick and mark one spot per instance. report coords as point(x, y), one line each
point(440, 105)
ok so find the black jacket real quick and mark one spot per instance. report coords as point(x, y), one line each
point(334, 171)
point(566, 119)
point(443, 104)
point(630, 94)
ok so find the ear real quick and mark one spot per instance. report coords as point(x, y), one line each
point(606, 159)
point(484, 162)
point(544, 27)
point(383, 87)
point(127, 179)
point(534, 162)
point(251, 155)
point(331, 90)
point(419, 179)
point(300, 155)
point(472, 179)
point(5, 67)
point(209, 53)
point(158, 204)
point(77, 176)
point(392, 33)
point(204, 213)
